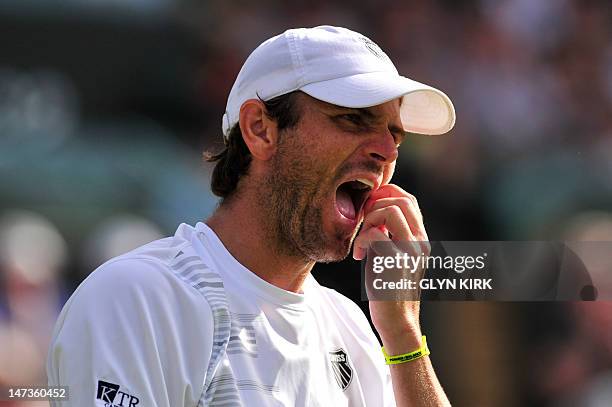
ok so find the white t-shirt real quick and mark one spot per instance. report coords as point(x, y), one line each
point(180, 322)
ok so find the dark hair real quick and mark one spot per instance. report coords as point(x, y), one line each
point(233, 162)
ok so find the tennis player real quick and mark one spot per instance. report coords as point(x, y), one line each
point(226, 312)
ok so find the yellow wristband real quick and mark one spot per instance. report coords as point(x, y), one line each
point(407, 357)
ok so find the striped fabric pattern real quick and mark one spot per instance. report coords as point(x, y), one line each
point(224, 386)
point(242, 339)
point(190, 268)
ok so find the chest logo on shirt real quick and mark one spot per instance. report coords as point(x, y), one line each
point(109, 394)
point(342, 370)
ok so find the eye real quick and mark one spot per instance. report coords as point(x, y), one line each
point(352, 118)
point(398, 136)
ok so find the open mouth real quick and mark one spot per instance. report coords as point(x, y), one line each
point(351, 195)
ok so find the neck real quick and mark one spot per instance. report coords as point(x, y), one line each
point(245, 233)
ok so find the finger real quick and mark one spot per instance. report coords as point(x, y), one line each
point(394, 221)
point(389, 191)
point(364, 239)
point(410, 211)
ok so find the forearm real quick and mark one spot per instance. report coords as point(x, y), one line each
point(414, 383)
point(393, 216)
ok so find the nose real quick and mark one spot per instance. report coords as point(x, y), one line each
point(383, 148)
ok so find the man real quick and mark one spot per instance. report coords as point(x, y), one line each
point(226, 313)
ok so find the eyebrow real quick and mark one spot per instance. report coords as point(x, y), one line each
point(370, 118)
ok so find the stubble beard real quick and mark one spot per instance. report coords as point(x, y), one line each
point(295, 212)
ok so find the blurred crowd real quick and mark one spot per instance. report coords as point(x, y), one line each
point(106, 107)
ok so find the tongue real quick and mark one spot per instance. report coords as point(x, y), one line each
point(344, 203)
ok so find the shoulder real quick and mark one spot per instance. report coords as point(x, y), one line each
point(348, 312)
point(141, 285)
point(340, 300)
point(133, 322)
point(138, 292)
point(128, 276)
point(152, 272)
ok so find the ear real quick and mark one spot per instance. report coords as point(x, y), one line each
point(259, 132)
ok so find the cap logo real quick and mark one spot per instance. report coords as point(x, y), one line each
point(373, 48)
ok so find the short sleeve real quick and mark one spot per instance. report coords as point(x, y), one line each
point(132, 335)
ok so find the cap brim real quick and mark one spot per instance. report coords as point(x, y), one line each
point(424, 110)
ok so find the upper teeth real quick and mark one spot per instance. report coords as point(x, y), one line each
point(365, 181)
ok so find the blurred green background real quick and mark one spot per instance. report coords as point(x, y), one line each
point(106, 107)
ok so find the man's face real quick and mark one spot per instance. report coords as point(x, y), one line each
point(323, 172)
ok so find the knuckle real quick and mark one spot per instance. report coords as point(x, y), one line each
point(404, 200)
point(408, 204)
point(411, 198)
point(396, 211)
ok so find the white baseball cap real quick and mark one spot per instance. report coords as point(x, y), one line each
point(338, 66)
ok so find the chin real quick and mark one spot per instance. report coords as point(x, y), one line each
point(338, 248)
point(325, 239)
point(331, 257)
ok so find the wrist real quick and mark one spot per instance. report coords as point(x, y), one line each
point(418, 353)
point(401, 340)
